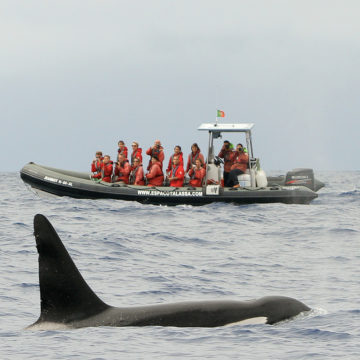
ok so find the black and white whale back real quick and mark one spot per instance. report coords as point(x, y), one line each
point(67, 301)
point(64, 294)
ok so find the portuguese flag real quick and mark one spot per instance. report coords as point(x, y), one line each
point(220, 113)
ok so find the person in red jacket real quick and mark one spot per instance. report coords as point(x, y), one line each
point(177, 152)
point(122, 169)
point(96, 165)
point(239, 166)
point(197, 174)
point(156, 150)
point(195, 154)
point(227, 154)
point(155, 175)
point(106, 169)
point(177, 173)
point(137, 174)
point(122, 149)
point(136, 153)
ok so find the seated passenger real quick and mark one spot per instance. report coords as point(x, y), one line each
point(197, 174)
point(177, 152)
point(176, 176)
point(227, 154)
point(106, 169)
point(122, 149)
point(136, 153)
point(156, 150)
point(137, 174)
point(96, 165)
point(155, 175)
point(239, 166)
point(195, 154)
point(122, 169)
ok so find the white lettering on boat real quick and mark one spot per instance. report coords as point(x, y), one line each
point(290, 187)
point(58, 181)
point(169, 193)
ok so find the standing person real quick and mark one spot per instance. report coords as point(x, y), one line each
point(122, 149)
point(122, 169)
point(106, 169)
point(136, 153)
point(155, 175)
point(197, 174)
point(96, 165)
point(177, 152)
point(177, 173)
point(239, 166)
point(137, 174)
point(195, 154)
point(156, 150)
point(227, 154)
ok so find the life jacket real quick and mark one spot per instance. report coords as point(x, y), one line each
point(96, 168)
point(122, 171)
point(240, 161)
point(181, 160)
point(178, 172)
point(228, 156)
point(123, 151)
point(136, 154)
point(107, 171)
point(192, 158)
point(196, 177)
point(158, 152)
point(97, 165)
point(133, 175)
point(157, 176)
point(174, 170)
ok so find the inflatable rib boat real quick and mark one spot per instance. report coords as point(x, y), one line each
point(297, 187)
point(79, 185)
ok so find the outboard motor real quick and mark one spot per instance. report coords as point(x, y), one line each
point(300, 177)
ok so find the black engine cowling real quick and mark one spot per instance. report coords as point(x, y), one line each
point(301, 177)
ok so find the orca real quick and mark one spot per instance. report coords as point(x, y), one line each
point(68, 302)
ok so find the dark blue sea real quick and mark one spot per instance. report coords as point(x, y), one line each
point(133, 254)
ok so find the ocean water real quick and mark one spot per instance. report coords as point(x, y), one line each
point(133, 254)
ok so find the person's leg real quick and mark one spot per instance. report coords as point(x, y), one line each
point(233, 177)
point(226, 178)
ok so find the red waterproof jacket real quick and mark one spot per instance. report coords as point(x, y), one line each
point(106, 171)
point(122, 171)
point(155, 176)
point(179, 173)
point(241, 161)
point(136, 154)
point(159, 153)
point(227, 155)
point(196, 176)
point(123, 151)
point(137, 176)
point(181, 159)
point(191, 159)
point(96, 169)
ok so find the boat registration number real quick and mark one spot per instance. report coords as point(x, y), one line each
point(213, 190)
point(58, 181)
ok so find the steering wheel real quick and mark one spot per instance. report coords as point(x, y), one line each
point(218, 161)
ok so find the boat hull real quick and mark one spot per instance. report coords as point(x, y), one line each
point(79, 185)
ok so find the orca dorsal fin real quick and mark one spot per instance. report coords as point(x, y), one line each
point(65, 295)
